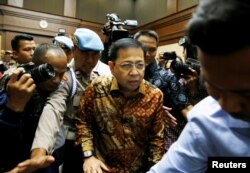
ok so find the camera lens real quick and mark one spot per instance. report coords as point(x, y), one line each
point(179, 68)
point(42, 73)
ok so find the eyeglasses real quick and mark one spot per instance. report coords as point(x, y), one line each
point(129, 66)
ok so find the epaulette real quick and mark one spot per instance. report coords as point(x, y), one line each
point(70, 79)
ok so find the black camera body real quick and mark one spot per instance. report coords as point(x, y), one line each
point(39, 73)
point(116, 22)
point(169, 55)
point(179, 67)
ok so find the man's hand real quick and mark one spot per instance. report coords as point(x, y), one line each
point(92, 164)
point(107, 28)
point(38, 160)
point(170, 120)
point(192, 82)
point(19, 90)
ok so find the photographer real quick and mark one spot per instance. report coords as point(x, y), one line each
point(191, 78)
point(107, 42)
point(187, 71)
point(175, 96)
point(114, 30)
point(166, 58)
point(27, 90)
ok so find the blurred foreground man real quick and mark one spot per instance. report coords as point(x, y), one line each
point(219, 125)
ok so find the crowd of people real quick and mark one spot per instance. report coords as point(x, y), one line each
point(80, 105)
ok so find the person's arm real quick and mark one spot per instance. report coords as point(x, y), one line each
point(31, 165)
point(178, 96)
point(106, 30)
point(51, 119)
point(192, 82)
point(50, 123)
point(170, 120)
point(39, 160)
point(19, 90)
point(186, 155)
point(156, 133)
point(84, 132)
point(48, 128)
point(84, 121)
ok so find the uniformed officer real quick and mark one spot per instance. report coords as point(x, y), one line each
point(66, 44)
point(85, 66)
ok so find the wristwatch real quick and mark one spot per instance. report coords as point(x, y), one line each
point(88, 153)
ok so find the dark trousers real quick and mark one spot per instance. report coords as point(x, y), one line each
point(73, 158)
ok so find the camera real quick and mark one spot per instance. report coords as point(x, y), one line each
point(179, 67)
point(116, 22)
point(39, 73)
point(169, 55)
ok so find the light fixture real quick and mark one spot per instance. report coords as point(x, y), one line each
point(61, 31)
point(43, 23)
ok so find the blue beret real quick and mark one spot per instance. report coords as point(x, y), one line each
point(63, 42)
point(86, 39)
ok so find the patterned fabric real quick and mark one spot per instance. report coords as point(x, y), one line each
point(175, 97)
point(125, 133)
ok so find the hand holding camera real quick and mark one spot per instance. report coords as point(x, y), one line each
point(39, 73)
point(192, 81)
point(179, 67)
point(19, 90)
point(22, 83)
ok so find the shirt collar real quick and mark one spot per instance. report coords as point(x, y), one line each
point(231, 121)
point(115, 87)
point(237, 123)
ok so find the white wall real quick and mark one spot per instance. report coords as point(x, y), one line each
point(17, 3)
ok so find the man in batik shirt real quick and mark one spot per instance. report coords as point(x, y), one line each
point(121, 122)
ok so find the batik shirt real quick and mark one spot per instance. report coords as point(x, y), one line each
point(125, 133)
